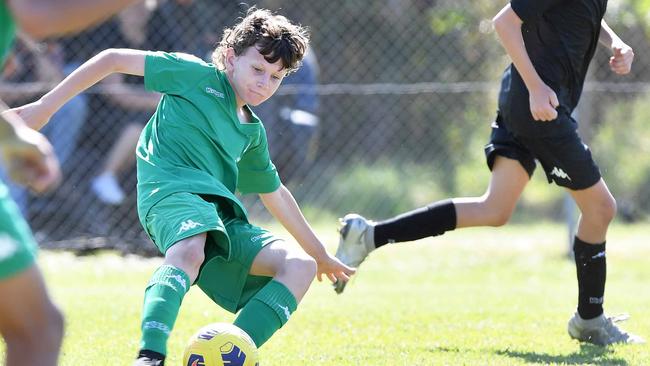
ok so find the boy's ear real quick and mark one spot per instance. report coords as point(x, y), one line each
point(230, 57)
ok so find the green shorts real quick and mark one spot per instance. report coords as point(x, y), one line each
point(231, 246)
point(17, 245)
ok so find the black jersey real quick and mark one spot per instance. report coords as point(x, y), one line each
point(561, 37)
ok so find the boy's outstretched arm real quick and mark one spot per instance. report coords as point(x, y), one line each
point(107, 62)
point(543, 99)
point(284, 208)
point(622, 54)
point(46, 18)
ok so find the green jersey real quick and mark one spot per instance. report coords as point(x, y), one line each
point(7, 31)
point(194, 142)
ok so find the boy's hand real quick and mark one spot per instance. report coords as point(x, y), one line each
point(34, 114)
point(543, 102)
point(333, 269)
point(30, 160)
point(622, 58)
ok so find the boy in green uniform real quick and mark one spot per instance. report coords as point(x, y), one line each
point(202, 144)
point(30, 324)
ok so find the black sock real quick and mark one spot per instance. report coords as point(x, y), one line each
point(431, 220)
point(591, 267)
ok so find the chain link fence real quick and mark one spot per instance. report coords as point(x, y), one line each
point(390, 112)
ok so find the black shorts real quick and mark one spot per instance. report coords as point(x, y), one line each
point(566, 160)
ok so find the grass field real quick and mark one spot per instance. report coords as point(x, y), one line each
point(472, 297)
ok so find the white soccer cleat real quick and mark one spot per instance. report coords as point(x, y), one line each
point(107, 189)
point(146, 361)
point(601, 331)
point(354, 243)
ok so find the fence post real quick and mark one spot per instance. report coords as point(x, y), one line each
point(570, 215)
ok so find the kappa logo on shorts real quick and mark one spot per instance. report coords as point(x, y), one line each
point(560, 173)
point(188, 225)
point(8, 246)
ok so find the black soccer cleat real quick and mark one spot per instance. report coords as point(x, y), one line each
point(149, 358)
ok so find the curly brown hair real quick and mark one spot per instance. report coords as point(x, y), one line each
point(274, 36)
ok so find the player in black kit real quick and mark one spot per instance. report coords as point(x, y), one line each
point(550, 44)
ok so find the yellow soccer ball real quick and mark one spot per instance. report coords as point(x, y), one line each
point(221, 344)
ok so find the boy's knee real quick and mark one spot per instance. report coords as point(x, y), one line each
point(187, 257)
point(48, 336)
point(44, 334)
point(495, 212)
point(610, 209)
point(302, 267)
point(55, 327)
point(193, 257)
point(498, 216)
point(603, 211)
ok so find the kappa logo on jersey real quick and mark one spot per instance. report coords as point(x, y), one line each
point(560, 173)
point(196, 360)
point(179, 279)
point(214, 92)
point(8, 246)
point(188, 225)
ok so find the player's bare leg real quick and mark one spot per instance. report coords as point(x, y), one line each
point(286, 264)
point(29, 322)
point(496, 205)
point(598, 208)
point(494, 208)
point(293, 272)
point(589, 323)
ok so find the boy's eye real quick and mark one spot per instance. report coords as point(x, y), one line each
point(258, 69)
point(276, 77)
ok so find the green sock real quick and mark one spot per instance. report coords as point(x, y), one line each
point(266, 312)
point(162, 299)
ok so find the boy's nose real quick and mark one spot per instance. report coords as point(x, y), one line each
point(263, 82)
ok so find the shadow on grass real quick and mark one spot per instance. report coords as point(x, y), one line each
point(588, 354)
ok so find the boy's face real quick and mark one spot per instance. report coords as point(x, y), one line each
point(252, 77)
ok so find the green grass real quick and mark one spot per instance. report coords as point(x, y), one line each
point(472, 297)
